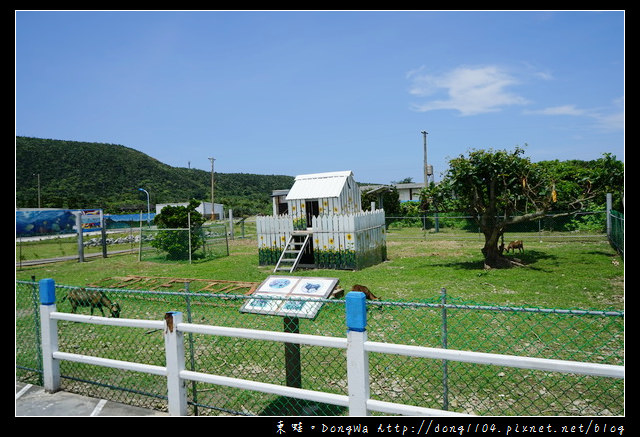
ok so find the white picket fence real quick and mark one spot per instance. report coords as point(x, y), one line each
point(273, 231)
point(341, 240)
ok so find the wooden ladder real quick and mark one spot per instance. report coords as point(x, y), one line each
point(294, 247)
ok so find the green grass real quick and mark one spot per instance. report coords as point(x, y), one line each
point(559, 273)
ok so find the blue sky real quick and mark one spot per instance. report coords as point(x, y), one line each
point(295, 92)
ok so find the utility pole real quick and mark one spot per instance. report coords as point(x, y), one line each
point(426, 171)
point(212, 179)
point(38, 175)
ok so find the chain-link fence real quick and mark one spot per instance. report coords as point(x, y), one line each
point(589, 336)
point(616, 235)
point(204, 243)
point(66, 246)
point(457, 225)
point(189, 244)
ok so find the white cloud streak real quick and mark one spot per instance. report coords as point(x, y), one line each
point(609, 119)
point(470, 91)
point(559, 110)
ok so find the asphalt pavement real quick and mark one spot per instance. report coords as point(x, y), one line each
point(32, 400)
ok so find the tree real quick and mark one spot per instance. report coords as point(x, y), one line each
point(175, 240)
point(498, 188)
point(389, 197)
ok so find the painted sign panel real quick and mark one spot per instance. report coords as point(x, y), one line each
point(294, 292)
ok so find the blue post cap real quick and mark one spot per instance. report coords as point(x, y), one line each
point(356, 308)
point(47, 291)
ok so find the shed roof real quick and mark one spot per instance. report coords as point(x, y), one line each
point(319, 185)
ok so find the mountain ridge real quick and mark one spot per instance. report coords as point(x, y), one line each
point(78, 175)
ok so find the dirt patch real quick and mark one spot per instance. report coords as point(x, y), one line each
point(438, 248)
point(139, 282)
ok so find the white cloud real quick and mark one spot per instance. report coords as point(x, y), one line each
point(469, 91)
point(610, 119)
point(611, 122)
point(559, 110)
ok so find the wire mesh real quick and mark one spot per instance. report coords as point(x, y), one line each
point(579, 335)
point(580, 224)
point(616, 235)
point(199, 244)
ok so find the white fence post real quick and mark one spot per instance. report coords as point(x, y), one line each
point(174, 349)
point(49, 330)
point(357, 356)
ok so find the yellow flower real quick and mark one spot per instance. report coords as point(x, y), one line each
point(349, 237)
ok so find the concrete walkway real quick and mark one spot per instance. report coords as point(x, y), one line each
point(33, 400)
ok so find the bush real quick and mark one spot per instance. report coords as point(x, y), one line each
point(176, 241)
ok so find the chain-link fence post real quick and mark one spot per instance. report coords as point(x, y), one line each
point(445, 373)
point(194, 390)
point(36, 321)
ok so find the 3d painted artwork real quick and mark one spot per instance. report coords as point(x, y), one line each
point(293, 290)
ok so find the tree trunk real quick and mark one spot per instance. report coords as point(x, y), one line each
point(493, 258)
point(490, 251)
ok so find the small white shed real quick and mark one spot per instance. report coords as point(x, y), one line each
point(322, 193)
point(323, 226)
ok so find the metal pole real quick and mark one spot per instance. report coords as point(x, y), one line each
point(78, 215)
point(103, 234)
point(426, 172)
point(140, 241)
point(189, 234)
point(609, 208)
point(38, 343)
point(194, 389)
point(445, 372)
point(212, 180)
point(38, 190)
point(148, 206)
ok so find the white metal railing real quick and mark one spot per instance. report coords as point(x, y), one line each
point(356, 344)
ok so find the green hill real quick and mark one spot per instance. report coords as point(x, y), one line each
point(96, 175)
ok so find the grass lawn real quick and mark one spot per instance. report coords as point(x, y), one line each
point(560, 273)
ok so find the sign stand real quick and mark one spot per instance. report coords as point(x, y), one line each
point(291, 310)
point(292, 354)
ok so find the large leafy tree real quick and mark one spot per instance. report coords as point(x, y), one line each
point(502, 188)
